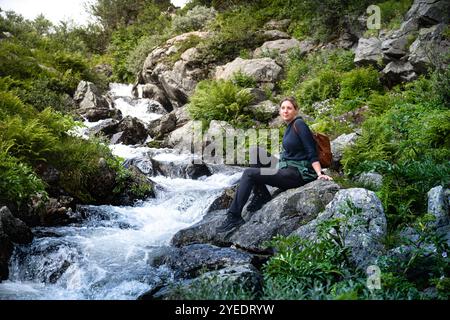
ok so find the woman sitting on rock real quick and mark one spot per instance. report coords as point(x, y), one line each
point(299, 165)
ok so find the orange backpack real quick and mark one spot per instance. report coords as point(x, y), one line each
point(323, 147)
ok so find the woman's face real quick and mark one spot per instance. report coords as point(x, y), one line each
point(287, 111)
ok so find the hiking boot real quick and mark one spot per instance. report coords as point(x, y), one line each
point(259, 199)
point(232, 221)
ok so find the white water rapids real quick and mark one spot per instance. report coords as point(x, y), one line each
point(108, 255)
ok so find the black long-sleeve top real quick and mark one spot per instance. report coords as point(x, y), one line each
point(296, 150)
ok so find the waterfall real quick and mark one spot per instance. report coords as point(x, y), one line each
point(108, 255)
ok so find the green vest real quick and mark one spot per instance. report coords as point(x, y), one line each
point(304, 167)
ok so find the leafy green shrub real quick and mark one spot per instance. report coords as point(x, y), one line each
point(195, 19)
point(326, 85)
point(137, 56)
point(410, 145)
point(212, 287)
point(392, 12)
point(359, 83)
point(235, 30)
point(17, 61)
point(18, 182)
point(302, 68)
point(243, 80)
point(219, 100)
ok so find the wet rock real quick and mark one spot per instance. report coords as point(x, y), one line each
point(362, 225)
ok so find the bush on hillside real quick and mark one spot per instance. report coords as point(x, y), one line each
point(219, 100)
point(194, 19)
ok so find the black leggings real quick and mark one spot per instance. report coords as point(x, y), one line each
point(257, 178)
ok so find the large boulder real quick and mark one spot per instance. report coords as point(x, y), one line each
point(264, 70)
point(181, 138)
point(281, 46)
point(396, 46)
point(429, 49)
point(429, 12)
point(173, 84)
point(201, 263)
point(339, 144)
point(368, 52)
point(92, 105)
point(191, 260)
point(439, 205)
point(281, 215)
point(132, 131)
point(362, 224)
point(12, 230)
point(397, 72)
point(158, 128)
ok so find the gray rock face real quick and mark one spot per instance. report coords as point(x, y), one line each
point(368, 52)
point(363, 229)
point(429, 48)
point(439, 205)
point(339, 144)
point(271, 35)
point(152, 91)
point(181, 138)
point(190, 261)
point(398, 71)
point(395, 47)
point(281, 46)
point(158, 128)
point(371, 180)
point(239, 276)
point(263, 70)
point(264, 110)
point(131, 131)
point(92, 105)
point(173, 84)
point(169, 164)
point(281, 215)
point(12, 230)
point(429, 12)
point(16, 230)
point(284, 214)
point(142, 163)
point(203, 231)
point(224, 200)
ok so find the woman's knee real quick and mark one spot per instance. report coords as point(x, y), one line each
point(251, 172)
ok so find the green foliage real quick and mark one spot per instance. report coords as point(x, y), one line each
point(392, 12)
point(219, 100)
point(113, 14)
point(243, 80)
point(359, 83)
point(326, 85)
point(17, 61)
point(194, 19)
point(420, 262)
point(235, 30)
point(18, 182)
point(320, 20)
point(213, 287)
point(137, 56)
point(409, 144)
point(303, 68)
point(126, 37)
point(305, 262)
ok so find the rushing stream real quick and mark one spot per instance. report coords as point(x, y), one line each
point(107, 256)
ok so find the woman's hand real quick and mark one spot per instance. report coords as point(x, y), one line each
point(324, 177)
